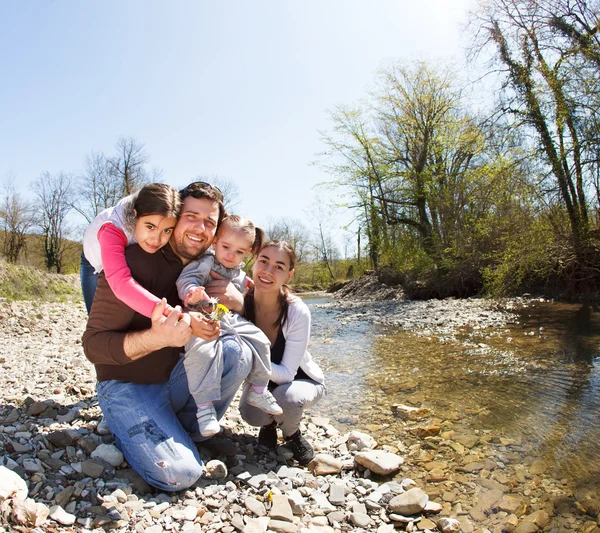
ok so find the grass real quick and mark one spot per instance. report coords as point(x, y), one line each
point(27, 283)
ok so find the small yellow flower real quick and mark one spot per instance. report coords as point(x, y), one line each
point(218, 312)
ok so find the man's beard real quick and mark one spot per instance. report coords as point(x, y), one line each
point(183, 251)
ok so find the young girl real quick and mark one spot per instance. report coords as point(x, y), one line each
point(146, 217)
point(236, 238)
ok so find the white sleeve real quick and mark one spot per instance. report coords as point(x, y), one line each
point(297, 333)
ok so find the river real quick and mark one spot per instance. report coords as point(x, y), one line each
point(532, 387)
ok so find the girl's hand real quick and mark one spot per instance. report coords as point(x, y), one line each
point(168, 310)
point(195, 295)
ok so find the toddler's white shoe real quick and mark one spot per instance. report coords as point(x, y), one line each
point(207, 421)
point(265, 402)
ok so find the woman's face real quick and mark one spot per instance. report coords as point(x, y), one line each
point(271, 269)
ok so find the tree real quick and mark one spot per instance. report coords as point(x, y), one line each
point(128, 166)
point(54, 192)
point(17, 218)
point(98, 187)
point(230, 190)
point(325, 249)
point(292, 231)
point(549, 54)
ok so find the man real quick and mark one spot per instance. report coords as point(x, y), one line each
point(142, 387)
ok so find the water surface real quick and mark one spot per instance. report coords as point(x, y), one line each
point(535, 382)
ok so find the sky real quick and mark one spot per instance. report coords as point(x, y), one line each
point(239, 90)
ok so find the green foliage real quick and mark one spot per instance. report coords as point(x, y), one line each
point(526, 262)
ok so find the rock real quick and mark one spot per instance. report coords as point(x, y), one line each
point(511, 504)
point(337, 494)
point(468, 441)
point(29, 513)
point(526, 527)
point(448, 525)
point(63, 438)
point(359, 441)
point(361, 519)
point(216, 469)
point(324, 465)
point(413, 501)
point(13, 416)
point(281, 526)
point(427, 431)
point(297, 502)
point(281, 509)
point(426, 524)
point(58, 514)
point(255, 507)
point(379, 462)
point(11, 485)
point(108, 453)
point(63, 497)
point(93, 469)
point(406, 412)
point(539, 518)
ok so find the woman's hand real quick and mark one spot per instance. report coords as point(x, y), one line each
point(226, 292)
point(203, 327)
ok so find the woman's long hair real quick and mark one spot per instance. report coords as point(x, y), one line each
point(285, 292)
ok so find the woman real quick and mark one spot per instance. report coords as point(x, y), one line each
point(297, 382)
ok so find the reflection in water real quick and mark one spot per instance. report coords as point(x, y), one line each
point(537, 383)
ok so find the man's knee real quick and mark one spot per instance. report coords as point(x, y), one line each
point(172, 477)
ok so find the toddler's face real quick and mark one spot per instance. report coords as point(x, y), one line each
point(231, 247)
point(152, 232)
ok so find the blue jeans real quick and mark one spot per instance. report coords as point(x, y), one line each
point(155, 425)
point(89, 282)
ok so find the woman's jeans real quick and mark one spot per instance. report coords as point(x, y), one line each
point(155, 425)
point(89, 282)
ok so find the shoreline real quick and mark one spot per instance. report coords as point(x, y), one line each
point(49, 437)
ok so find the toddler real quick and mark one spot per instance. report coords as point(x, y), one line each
point(146, 217)
point(236, 238)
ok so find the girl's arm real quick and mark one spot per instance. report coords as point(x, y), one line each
point(296, 343)
point(130, 292)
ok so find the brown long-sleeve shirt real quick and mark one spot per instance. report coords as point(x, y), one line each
point(110, 320)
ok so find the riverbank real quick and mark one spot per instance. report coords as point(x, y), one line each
point(440, 476)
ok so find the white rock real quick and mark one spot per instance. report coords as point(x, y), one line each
point(29, 513)
point(11, 485)
point(108, 453)
point(379, 462)
point(58, 514)
point(448, 525)
point(359, 441)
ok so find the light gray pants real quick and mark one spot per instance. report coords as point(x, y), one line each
point(293, 398)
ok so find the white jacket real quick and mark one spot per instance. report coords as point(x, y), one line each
point(296, 331)
point(122, 216)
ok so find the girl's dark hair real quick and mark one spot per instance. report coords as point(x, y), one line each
point(157, 199)
point(243, 225)
point(284, 294)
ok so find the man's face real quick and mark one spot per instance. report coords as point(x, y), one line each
point(196, 228)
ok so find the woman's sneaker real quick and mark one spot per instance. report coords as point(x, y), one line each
point(267, 436)
point(265, 402)
point(301, 448)
point(207, 421)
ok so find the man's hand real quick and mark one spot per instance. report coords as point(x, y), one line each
point(203, 327)
point(172, 330)
point(226, 292)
